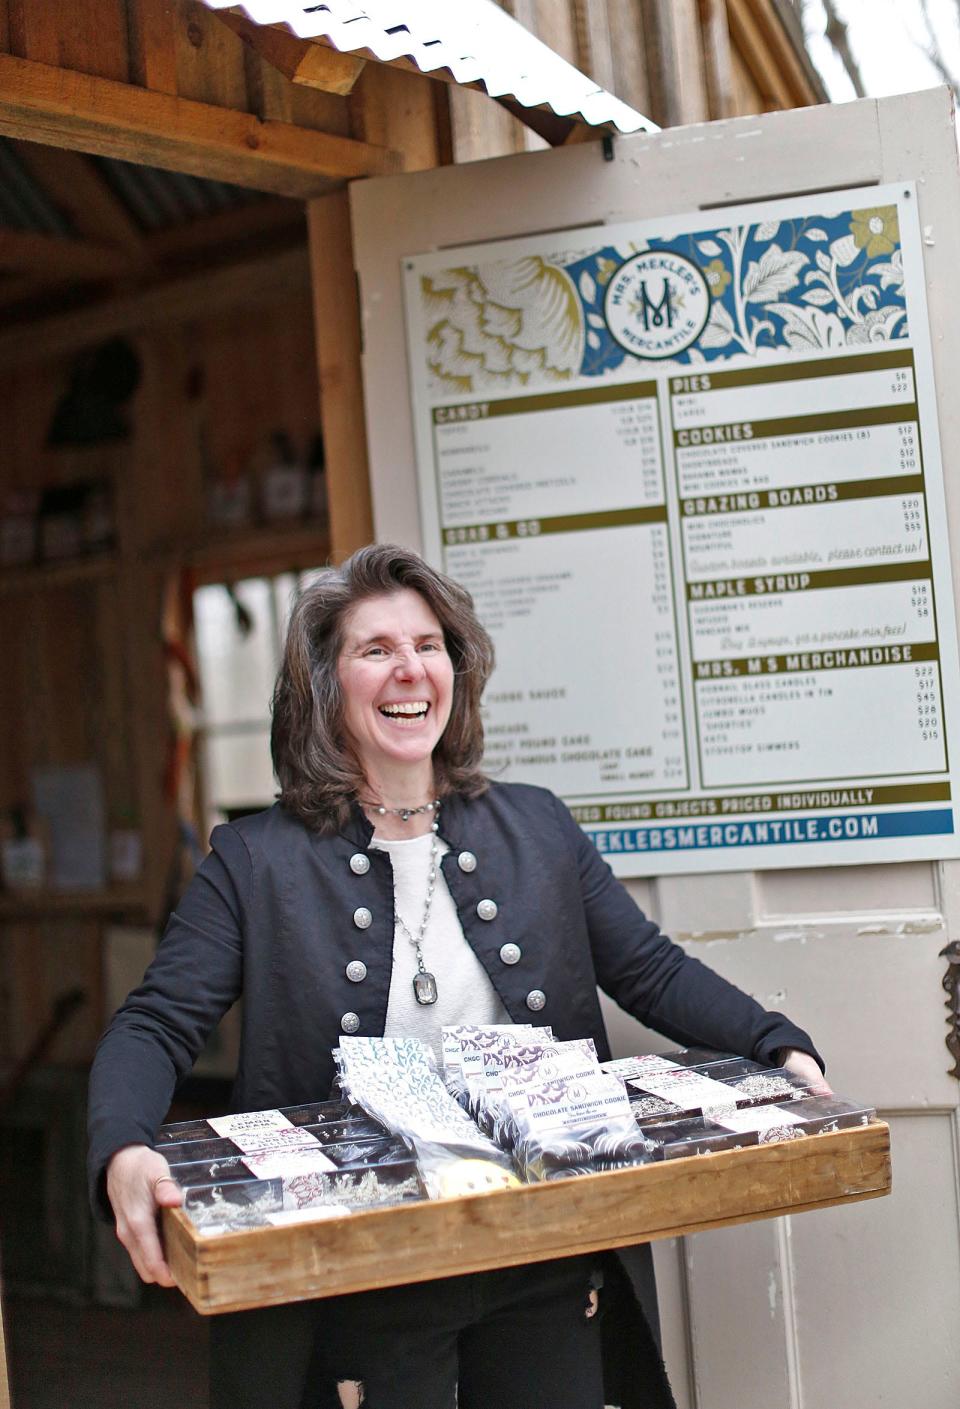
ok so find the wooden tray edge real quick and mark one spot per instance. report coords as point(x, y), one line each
point(378, 1247)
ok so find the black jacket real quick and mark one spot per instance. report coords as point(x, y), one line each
point(272, 912)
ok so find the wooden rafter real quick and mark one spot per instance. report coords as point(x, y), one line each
point(75, 110)
point(215, 233)
point(244, 284)
point(310, 65)
point(60, 258)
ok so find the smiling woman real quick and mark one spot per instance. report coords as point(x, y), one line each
point(387, 850)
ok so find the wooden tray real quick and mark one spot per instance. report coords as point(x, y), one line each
point(420, 1241)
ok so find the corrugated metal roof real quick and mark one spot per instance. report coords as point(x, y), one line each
point(160, 199)
point(23, 204)
point(474, 39)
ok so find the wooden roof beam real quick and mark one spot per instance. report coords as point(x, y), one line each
point(245, 284)
point(60, 258)
point(302, 62)
point(76, 110)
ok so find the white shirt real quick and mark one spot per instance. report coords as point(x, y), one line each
point(464, 992)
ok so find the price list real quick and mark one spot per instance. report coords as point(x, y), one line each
point(807, 571)
point(537, 495)
point(690, 471)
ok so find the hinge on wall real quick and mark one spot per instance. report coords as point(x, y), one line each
point(951, 983)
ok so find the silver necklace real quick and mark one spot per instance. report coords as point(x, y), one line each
point(424, 982)
point(404, 813)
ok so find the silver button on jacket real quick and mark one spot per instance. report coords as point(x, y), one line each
point(510, 953)
point(487, 909)
point(359, 864)
point(467, 861)
point(536, 999)
point(356, 971)
point(349, 1022)
point(362, 918)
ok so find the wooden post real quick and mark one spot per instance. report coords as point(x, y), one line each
point(4, 1381)
point(339, 342)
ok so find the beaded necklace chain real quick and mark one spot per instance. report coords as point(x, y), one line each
point(424, 982)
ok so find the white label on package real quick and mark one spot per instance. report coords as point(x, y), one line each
point(625, 1067)
point(277, 1164)
point(566, 1104)
point(455, 1036)
point(253, 1131)
point(686, 1088)
point(308, 1215)
point(758, 1118)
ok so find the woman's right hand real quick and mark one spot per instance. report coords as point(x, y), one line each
point(136, 1197)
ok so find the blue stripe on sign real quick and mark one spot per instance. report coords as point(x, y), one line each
point(786, 831)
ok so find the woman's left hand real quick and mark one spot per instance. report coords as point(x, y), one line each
point(803, 1065)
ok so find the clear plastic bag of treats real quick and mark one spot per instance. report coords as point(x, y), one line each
point(472, 1038)
point(511, 1071)
point(575, 1126)
point(484, 1060)
point(396, 1082)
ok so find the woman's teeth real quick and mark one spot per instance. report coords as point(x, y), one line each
point(415, 709)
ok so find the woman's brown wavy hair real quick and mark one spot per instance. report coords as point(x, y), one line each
point(318, 771)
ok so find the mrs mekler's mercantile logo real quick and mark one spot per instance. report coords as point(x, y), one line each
point(657, 304)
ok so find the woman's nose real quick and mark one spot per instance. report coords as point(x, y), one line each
point(409, 664)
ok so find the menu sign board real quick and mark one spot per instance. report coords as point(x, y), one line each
point(690, 471)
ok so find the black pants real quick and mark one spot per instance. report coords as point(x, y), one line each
point(517, 1338)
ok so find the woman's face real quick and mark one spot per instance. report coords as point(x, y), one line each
point(396, 678)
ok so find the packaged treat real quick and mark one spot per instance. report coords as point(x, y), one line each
point(238, 1169)
point(730, 1068)
point(523, 1067)
point(757, 1087)
point(302, 1196)
point(315, 1113)
point(758, 1125)
point(457, 1035)
point(397, 1085)
point(360, 1128)
point(568, 1127)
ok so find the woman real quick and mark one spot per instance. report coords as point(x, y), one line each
point(394, 888)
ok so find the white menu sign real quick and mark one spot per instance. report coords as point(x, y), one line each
point(690, 471)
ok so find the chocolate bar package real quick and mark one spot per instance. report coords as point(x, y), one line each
point(313, 1113)
point(730, 1068)
point(239, 1169)
point(758, 1087)
point(341, 1132)
point(758, 1125)
point(302, 1197)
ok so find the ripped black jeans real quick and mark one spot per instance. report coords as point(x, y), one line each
point(516, 1338)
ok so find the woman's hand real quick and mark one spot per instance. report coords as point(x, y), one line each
point(136, 1195)
point(803, 1065)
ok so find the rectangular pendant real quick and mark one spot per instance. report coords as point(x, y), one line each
point(425, 989)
